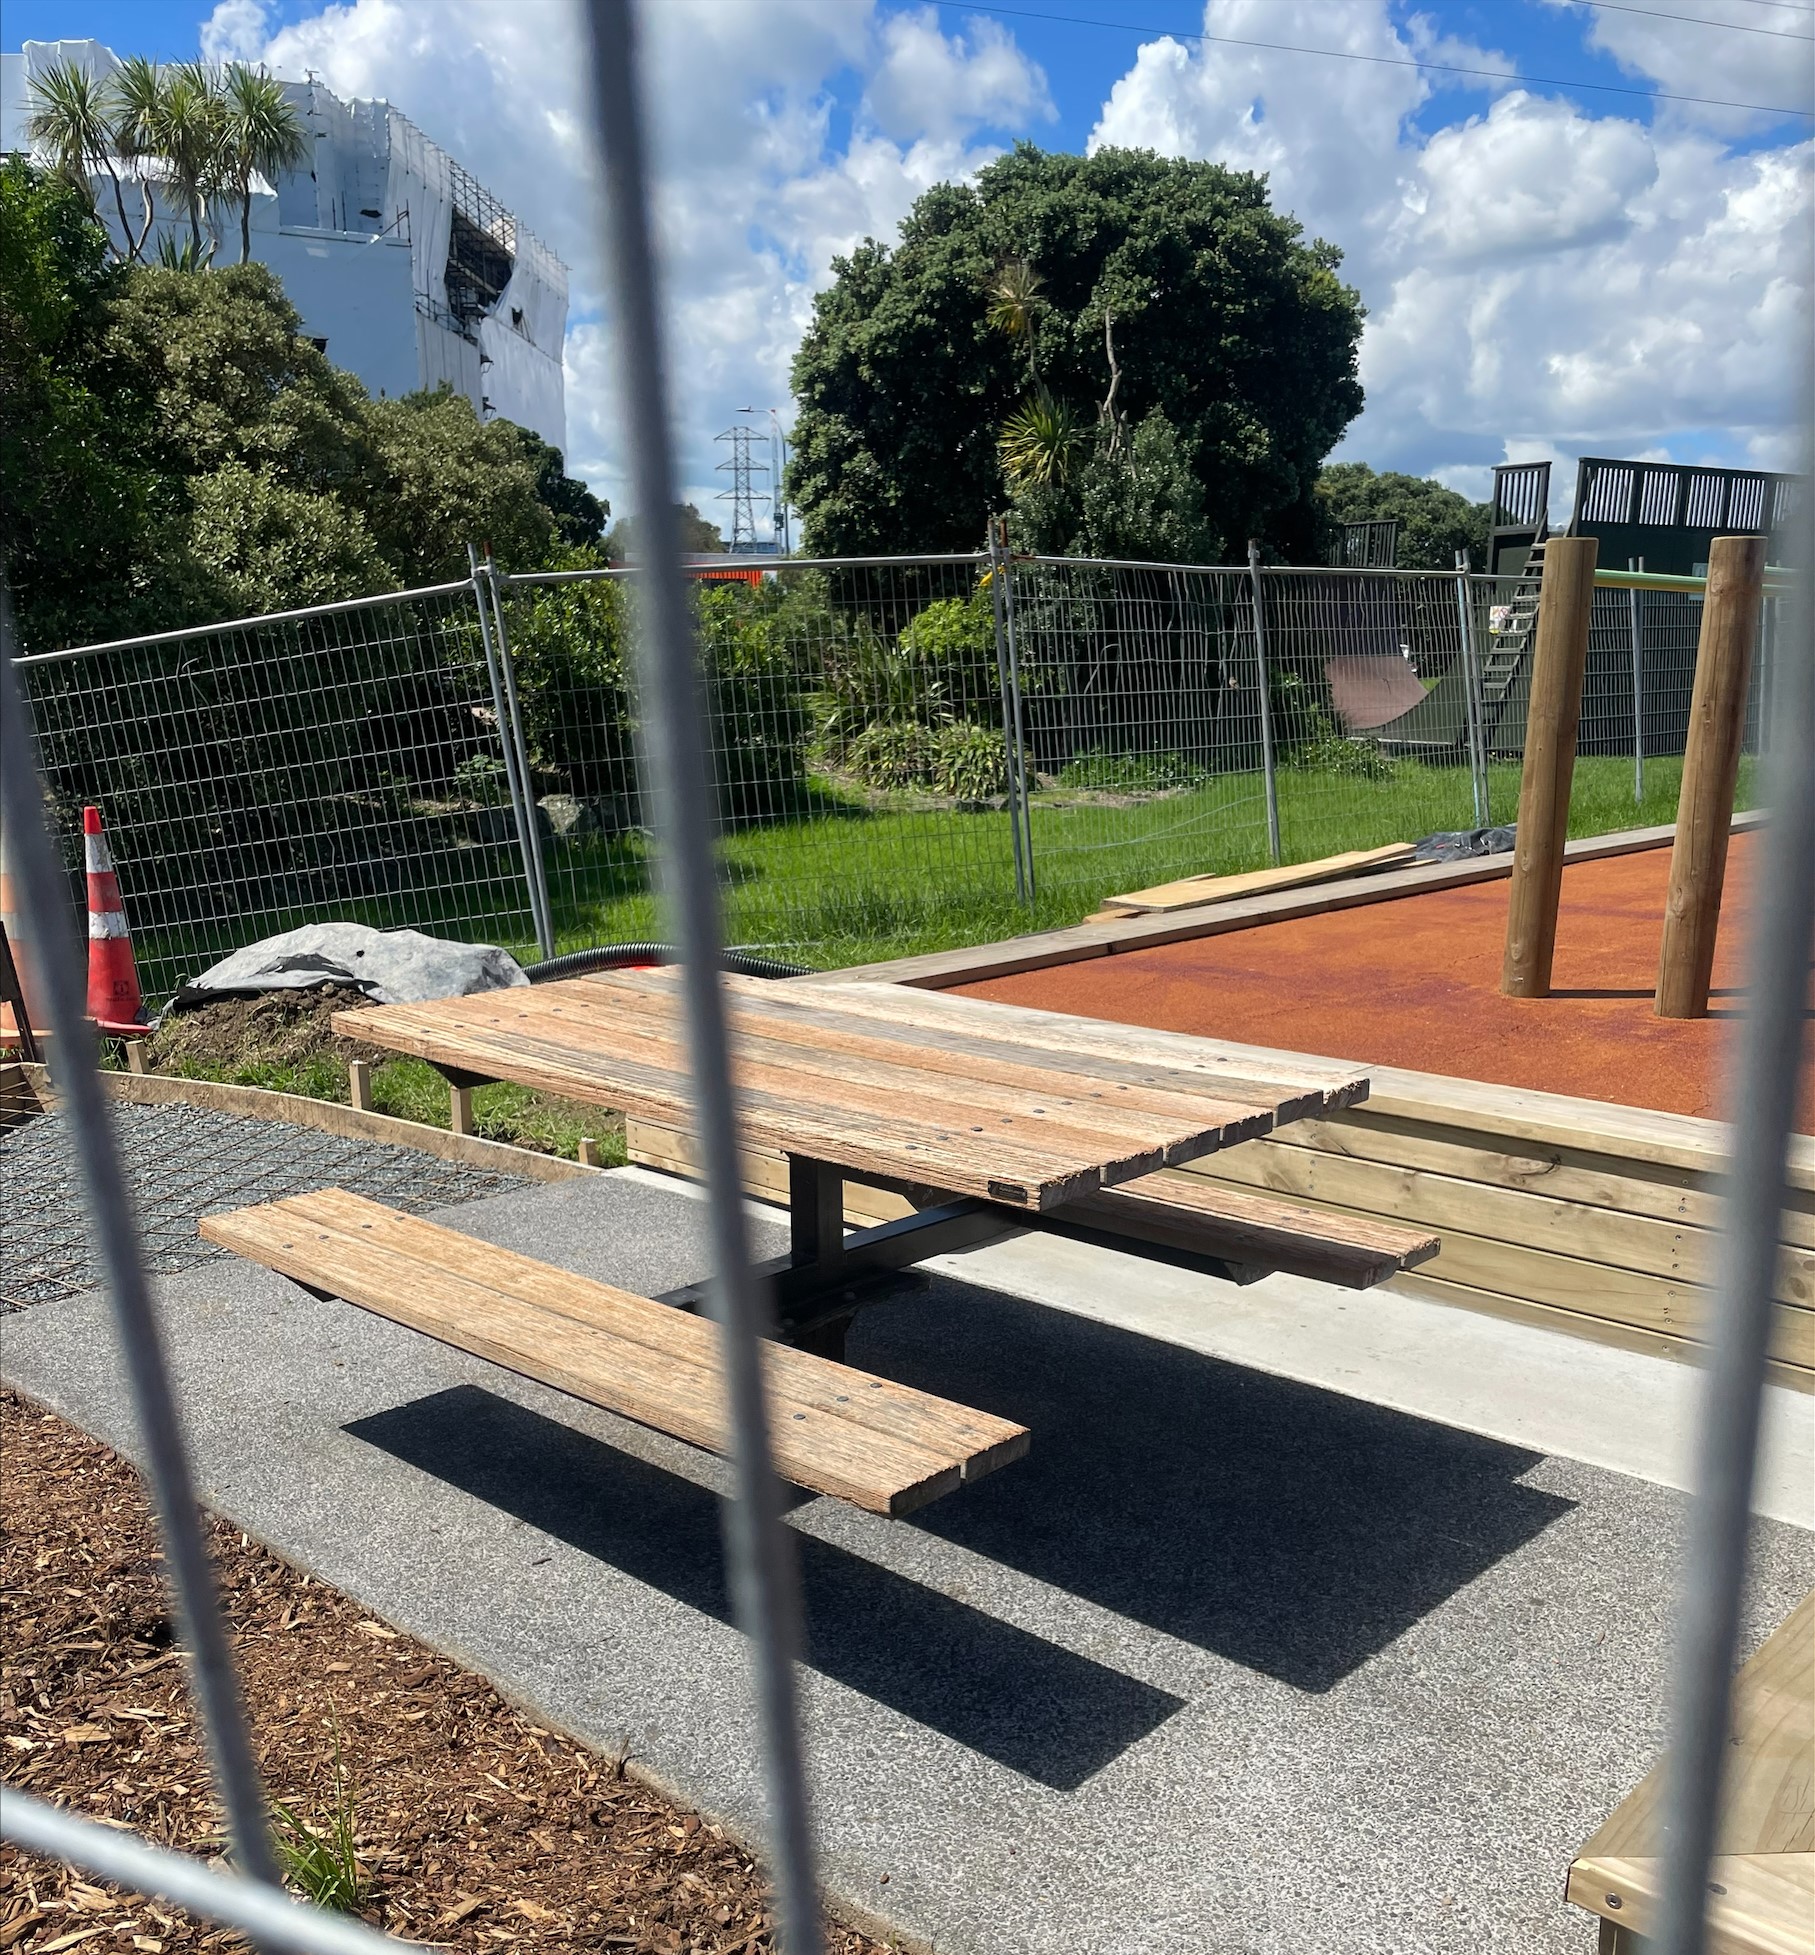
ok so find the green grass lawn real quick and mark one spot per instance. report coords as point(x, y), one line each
point(864, 885)
point(851, 883)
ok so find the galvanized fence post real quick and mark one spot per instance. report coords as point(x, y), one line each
point(539, 904)
point(522, 810)
point(1018, 739)
point(1270, 772)
point(1634, 598)
point(1474, 701)
point(998, 581)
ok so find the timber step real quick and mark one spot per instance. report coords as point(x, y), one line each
point(1174, 1210)
point(879, 1445)
point(1763, 1882)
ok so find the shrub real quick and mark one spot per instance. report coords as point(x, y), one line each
point(1132, 773)
point(970, 763)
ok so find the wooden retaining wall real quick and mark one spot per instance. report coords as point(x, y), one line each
point(1588, 1218)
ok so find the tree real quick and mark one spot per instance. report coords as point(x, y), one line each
point(190, 135)
point(1124, 280)
point(1434, 522)
point(135, 107)
point(698, 536)
point(261, 133)
point(442, 478)
point(579, 514)
point(69, 117)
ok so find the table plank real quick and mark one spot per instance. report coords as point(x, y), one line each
point(1028, 1108)
point(1304, 1083)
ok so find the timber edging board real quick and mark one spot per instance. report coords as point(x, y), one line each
point(1584, 1216)
point(325, 1116)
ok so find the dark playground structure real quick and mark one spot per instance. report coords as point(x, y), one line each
point(1658, 518)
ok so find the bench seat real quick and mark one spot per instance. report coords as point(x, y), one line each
point(879, 1445)
point(1253, 1234)
point(1763, 1900)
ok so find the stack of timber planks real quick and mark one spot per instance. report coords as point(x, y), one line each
point(1193, 892)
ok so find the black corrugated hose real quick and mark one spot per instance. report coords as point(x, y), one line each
point(614, 957)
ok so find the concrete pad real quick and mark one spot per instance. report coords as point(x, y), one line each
point(1231, 1661)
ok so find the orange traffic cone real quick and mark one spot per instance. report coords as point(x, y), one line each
point(114, 1002)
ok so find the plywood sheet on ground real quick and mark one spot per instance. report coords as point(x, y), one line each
point(1414, 982)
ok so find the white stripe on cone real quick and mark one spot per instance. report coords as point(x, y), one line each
point(97, 856)
point(107, 923)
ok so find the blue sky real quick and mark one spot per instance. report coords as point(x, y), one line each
point(1548, 270)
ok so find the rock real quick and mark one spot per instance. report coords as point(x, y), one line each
point(391, 967)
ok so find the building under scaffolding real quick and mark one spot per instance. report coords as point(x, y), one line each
point(406, 270)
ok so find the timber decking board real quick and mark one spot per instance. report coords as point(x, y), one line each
point(1191, 1212)
point(1767, 1824)
point(1033, 1134)
point(879, 1445)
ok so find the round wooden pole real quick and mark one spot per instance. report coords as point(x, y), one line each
point(1559, 660)
point(1704, 813)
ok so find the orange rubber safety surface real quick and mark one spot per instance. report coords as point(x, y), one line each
point(1415, 982)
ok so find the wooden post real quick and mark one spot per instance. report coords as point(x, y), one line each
point(135, 1058)
point(589, 1151)
point(460, 1109)
point(359, 1084)
point(1704, 812)
point(1565, 599)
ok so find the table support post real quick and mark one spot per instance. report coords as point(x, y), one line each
point(815, 1213)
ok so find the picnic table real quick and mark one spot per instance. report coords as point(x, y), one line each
point(986, 1116)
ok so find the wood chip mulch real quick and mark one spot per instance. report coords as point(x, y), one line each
point(477, 1828)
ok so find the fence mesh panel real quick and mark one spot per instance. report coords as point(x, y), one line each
point(344, 764)
point(911, 754)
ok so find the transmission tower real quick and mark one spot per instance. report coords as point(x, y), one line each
point(743, 494)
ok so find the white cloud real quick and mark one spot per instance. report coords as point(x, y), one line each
point(760, 180)
point(1721, 50)
point(1538, 275)
point(236, 31)
point(929, 86)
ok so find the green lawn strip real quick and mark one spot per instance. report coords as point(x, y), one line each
point(411, 1089)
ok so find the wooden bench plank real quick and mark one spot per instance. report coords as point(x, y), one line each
point(879, 1445)
point(1186, 1211)
point(1767, 1820)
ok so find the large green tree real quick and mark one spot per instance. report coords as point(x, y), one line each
point(1434, 522)
point(1224, 322)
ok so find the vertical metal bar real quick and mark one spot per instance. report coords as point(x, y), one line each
point(1739, 1322)
point(75, 1062)
point(1269, 777)
point(1018, 757)
point(998, 581)
point(545, 929)
point(1638, 695)
point(512, 785)
point(764, 1577)
point(1475, 704)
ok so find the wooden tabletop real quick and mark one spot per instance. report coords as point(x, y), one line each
point(960, 1094)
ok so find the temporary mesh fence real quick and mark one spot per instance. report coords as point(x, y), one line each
point(909, 753)
point(346, 762)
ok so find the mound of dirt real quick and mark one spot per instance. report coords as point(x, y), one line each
point(278, 1028)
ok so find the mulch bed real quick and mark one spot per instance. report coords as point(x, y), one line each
point(477, 1828)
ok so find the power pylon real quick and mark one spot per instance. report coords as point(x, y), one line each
point(743, 494)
